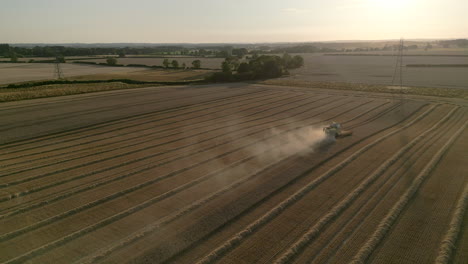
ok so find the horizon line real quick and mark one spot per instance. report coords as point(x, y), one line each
point(264, 42)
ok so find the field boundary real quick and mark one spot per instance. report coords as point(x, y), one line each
point(127, 81)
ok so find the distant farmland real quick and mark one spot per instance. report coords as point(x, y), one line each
point(380, 69)
point(23, 72)
point(318, 67)
point(355, 69)
point(210, 63)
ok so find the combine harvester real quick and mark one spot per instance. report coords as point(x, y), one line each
point(334, 130)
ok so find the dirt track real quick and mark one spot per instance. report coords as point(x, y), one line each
point(233, 174)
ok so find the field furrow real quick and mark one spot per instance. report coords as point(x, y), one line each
point(336, 239)
point(233, 173)
point(307, 203)
point(437, 197)
point(146, 230)
point(96, 167)
point(312, 233)
point(355, 107)
point(219, 127)
point(66, 214)
point(141, 122)
point(150, 130)
point(95, 185)
point(279, 182)
point(89, 117)
point(386, 224)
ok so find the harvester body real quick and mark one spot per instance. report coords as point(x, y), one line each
point(334, 130)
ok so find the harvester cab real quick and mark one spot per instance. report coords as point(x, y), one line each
point(334, 130)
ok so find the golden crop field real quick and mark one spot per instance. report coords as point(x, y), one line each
point(234, 173)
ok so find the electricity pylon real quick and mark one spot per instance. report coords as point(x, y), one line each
point(398, 73)
point(58, 74)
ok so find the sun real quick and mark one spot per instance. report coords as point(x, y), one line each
point(386, 7)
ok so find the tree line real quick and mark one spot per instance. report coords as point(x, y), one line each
point(221, 51)
point(52, 51)
point(113, 61)
point(7, 50)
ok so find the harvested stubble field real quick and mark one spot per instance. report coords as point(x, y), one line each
point(379, 70)
point(23, 72)
point(17, 94)
point(233, 174)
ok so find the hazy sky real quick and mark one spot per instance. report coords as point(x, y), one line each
point(203, 21)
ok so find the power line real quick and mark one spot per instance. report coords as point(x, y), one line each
point(398, 70)
point(399, 65)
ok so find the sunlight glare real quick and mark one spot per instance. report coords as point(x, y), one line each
point(386, 5)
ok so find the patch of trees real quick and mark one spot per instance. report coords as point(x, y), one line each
point(258, 67)
point(5, 50)
point(13, 57)
point(60, 59)
point(196, 64)
point(166, 63)
point(111, 61)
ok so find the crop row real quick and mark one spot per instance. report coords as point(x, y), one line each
point(386, 224)
point(386, 111)
point(77, 191)
point(103, 109)
point(178, 133)
point(154, 227)
point(347, 229)
point(79, 133)
point(162, 253)
point(141, 135)
point(315, 230)
point(126, 162)
point(118, 194)
point(228, 214)
point(139, 207)
point(220, 127)
point(129, 174)
point(450, 239)
point(270, 215)
point(139, 186)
